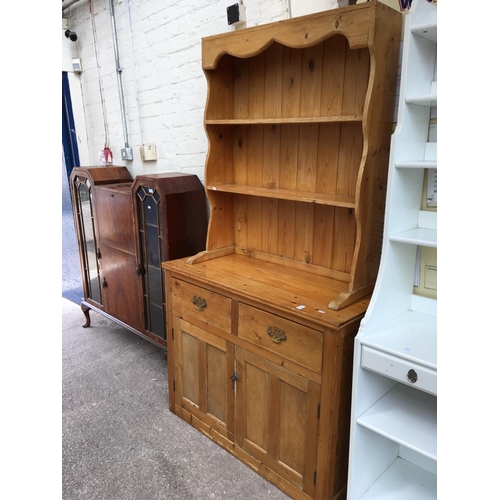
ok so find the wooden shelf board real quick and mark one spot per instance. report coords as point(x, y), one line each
point(416, 236)
point(287, 194)
point(411, 336)
point(403, 480)
point(406, 416)
point(279, 121)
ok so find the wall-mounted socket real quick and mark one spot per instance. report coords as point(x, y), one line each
point(127, 154)
point(148, 152)
point(236, 14)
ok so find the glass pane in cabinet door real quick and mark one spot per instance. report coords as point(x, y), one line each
point(155, 294)
point(153, 246)
point(88, 235)
point(150, 211)
point(150, 242)
point(157, 321)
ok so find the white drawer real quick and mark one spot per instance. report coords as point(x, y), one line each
point(399, 369)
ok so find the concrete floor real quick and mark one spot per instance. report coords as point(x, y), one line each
point(119, 440)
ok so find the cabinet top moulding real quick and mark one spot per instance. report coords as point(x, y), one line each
point(355, 22)
point(100, 174)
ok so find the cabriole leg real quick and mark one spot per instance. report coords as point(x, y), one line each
point(86, 310)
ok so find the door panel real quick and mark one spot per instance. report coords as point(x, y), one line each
point(115, 215)
point(256, 423)
point(121, 286)
point(275, 423)
point(190, 353)
point(203, 377)
point(216, 382)
point(292, 428)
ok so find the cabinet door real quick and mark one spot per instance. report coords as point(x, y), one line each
point(85, 222)
point(120, 282)
point(277, 418)
point(203, 371)
point(152, 252)
point(115, 214)
point(121, 286)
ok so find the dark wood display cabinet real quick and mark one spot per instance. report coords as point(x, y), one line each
point(171, 223)
point(125, 229)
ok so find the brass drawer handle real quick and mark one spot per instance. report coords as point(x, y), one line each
point(199, 303)
point(277, 335)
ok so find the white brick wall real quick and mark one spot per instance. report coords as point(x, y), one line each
point(163, 83)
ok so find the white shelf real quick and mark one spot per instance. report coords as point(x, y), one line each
point(405, 416)
point(403, 480)
point(393, 442)
point(424, 22)
point(412, 336)
point(428, 31)
point(428, 100)
point(427, 160)
point(416, 164)
point(416, 236)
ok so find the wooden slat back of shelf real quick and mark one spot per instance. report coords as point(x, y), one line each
point(343, 68)
point(312, 157)
point(328, 79)
point(299, 231)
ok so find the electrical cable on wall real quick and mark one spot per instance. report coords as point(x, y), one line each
point(106, 154)
point(129, 21)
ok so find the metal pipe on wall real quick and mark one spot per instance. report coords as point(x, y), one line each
point(119, 74)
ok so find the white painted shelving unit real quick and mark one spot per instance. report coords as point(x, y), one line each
point(394, 419)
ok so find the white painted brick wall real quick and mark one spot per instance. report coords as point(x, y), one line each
point(163, 83)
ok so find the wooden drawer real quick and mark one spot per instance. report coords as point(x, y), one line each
point(201, 307)
point(399, 369)
point(292, 341)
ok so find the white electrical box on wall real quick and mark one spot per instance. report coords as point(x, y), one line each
point(77, 65)
point(236, 14)
point(148, 152)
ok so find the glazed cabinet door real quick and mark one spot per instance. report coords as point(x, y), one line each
point(151, 243)
point(203, 377)
point(277, 415)
point(85, 222)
